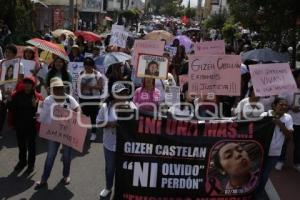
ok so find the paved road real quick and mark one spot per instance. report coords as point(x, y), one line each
point(287, 181)
point(87, 173)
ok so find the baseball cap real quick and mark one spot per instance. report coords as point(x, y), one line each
point(118, 88)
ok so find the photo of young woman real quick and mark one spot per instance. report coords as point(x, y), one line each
point(9, 74)
point(152, 69)
point(234, 168)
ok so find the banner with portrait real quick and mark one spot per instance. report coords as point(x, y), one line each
point(152, 66)
point(172, 159)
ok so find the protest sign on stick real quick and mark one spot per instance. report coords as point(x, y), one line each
point(146, 47)
point(216, 47)
point(65, 128)
point(272, 79)
point(215, 74)
point(118, 38)
point(152, 66)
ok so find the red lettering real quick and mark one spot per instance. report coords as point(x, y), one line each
point(222, 130)
point(150, 125)
point(232, 133)
point(210, 129)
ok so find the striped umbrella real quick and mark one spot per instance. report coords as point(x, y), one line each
point(49, 46)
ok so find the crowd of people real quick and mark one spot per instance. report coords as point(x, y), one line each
point(22, 103)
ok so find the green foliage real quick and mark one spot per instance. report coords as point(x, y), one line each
point(190, 12)
point(17, 14)
point(271, 18)
point(215, 21)
point(229, 29)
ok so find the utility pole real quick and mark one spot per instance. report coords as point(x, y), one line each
point(71, 14)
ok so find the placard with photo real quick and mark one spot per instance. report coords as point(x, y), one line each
point(10, 71)
point(152, 66)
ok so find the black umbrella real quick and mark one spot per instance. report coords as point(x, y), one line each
point(265, 55)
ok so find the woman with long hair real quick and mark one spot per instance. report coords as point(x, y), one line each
point(107, 118)
point(59, 69)
point(178, 61)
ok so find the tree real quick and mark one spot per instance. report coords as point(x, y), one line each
point(17, 14)
point(274, 20)
point(215, 21)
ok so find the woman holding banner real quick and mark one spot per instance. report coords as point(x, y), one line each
point(58, 97)
point(107, 118)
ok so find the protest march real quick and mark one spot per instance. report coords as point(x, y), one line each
point(177, 114)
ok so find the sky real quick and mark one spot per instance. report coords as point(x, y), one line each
point(185, 2)
point(193, 3)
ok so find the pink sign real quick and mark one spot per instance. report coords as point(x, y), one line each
point(218, 75)
point(66, 128)
point(183, 79)
point(216, 47)
point(21, 52)
point(146, 47)
point(272, 79)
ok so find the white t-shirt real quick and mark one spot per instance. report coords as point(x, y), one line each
point(176, 111)
point(45, 111)
point(90, 80)
point(106, 114)
point(278, 137)
point(160, 84)
point(246, 109)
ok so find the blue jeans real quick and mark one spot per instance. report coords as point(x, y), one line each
point(110, 166)
point(52, 151)
point(282, 157)
point(267, 168)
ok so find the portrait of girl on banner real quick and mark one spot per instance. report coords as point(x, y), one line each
point(234, 168)
point(152, 66)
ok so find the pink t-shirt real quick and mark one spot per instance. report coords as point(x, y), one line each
point(145, 97)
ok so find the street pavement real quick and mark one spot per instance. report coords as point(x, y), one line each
point(287, 181)
point(87, 173)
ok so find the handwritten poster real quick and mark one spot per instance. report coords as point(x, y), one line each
point(216, 47)
point(146, 47)
point(272, 79)
point(215, 74)
point(66, 128)
point(119, 38)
